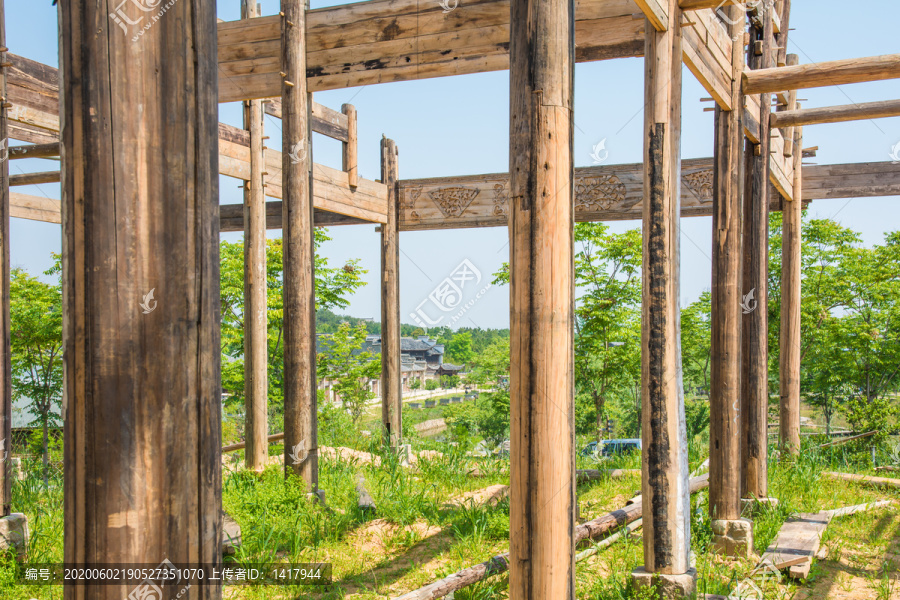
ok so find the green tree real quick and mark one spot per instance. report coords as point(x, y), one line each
point(342, 361)
point(491, 367)
point(459, 348)
point(36, 346)
point(696, 331)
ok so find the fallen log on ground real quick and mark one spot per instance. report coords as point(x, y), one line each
point(849, 439)
point(595, 474)
point(863, 479)
point(500, 563)
point(240, 445)
point(609, 541)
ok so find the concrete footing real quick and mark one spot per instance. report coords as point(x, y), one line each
point(666, 586)
point(14, 533)
point(733, 537)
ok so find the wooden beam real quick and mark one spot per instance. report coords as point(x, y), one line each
point(255, 321)
point(656, 12)
point(391, 380)
point(687, 5)
point(34, 151)
point(141, 292)
point(727, 250)
point(232, 217)
point(34, 178)
point(854, 180)
point(664, 481)
point(836, 114)
point(787, 133)
point(707, 53)
point(6, 472)
point(300, 413)
point(754, 349)
point(542, 44)
point(835, 72)
point(34, 208)
point(349, 149)
point(380, 41)
point(326, 121)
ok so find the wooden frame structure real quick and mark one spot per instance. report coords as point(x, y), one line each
point(274, 64)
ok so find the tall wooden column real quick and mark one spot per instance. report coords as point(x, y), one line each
point(140, 221)
point(665, 465)
point(256, 349)
point(725, 368)
point(789, 357)
point(391, 382)
point(754, 348)
point(300, 422)
point(541, 221)
point(5, 353)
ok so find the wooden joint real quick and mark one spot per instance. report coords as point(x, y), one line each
point(288, 83)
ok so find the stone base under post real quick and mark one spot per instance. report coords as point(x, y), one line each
point(733, 537)
point(14, 533)
point(754, 504)
point(668, 587)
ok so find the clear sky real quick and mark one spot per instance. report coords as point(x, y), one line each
point(459, 126)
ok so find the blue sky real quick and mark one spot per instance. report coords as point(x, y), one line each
point(459, 126)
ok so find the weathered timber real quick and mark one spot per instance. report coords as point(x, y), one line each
point(255, 313)
point(858, 508)
point(848, 439)
point(787, 133)
point(34, 208)
point(398, 40)
point(300, 414)
point(350, 149)
point(541, 224)
point(796, 544)
point(827, 73)
point(836, 114)
point(790, 338)
point(324, 120)
point(754, 301)
point(707, 52)
point(241, 445)
point(5, 350)
point(664, 480)
point(500, 563)
point(863, 479)
point(34, 151)
point(858, 180)
point(140, 294)
point(656, 12)
point(727, 248)
point(391, 380)
point(34, 178)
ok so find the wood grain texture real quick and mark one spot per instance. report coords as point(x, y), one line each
point(350, 149)
point(143, 392)
point(707, 54)
point(836, 114)
point(822, 74)
point(754, 348)
point(5, 351)
point(727, 249)
point(664, 481)
point(300, 412)
point(34, 151)
point(255, 314)
point(391, 380)
point(541, 222)
point(790, 340)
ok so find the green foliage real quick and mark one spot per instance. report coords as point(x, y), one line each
point(487, 417)
point(432, 384)
point(491, 367)
point(350, 368)
point(459, 350)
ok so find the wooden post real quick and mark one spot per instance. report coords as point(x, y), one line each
point(664, 475)
point(256, 347)
point(300, 422)
point(754, 349)
point(5, 352)
point(140, 222)
point(541, 222)
point(789, 357)
point(725, 368)
point(350, 147)
point(391, 392)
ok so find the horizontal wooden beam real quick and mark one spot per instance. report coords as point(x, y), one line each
point(326, 121)
point(700, 4)
point(836, 114)
point(34, 178)
point(50, 150)
point(656, 12)
point(231, 217)
point(835, 72)
point(854, 180)
point(34, 208)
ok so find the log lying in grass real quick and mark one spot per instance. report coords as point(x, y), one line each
point(849, 439)
point(241, 445)
point(891, 468)
point(863, 479)
point(852, 510)
point(594, 474)
point(609, 541)
point(500, 563)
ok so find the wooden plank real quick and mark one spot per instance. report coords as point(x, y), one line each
point(542, 505)
point(835, 72)
point(232, 217)
point(707, 53)
point(796, 544)
point(789, 357)
point(140, 229)
point(34, 208)
point(34, 151)
point(34, 178)
point(255, 309)
point(836, 114)
point(727, 250)
point(300, 413)
point(350, 149)
point(855, 180)
point(325, 120)
point(6, 414)
point(391, 380)
point(880, 482)
point(656, 12)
